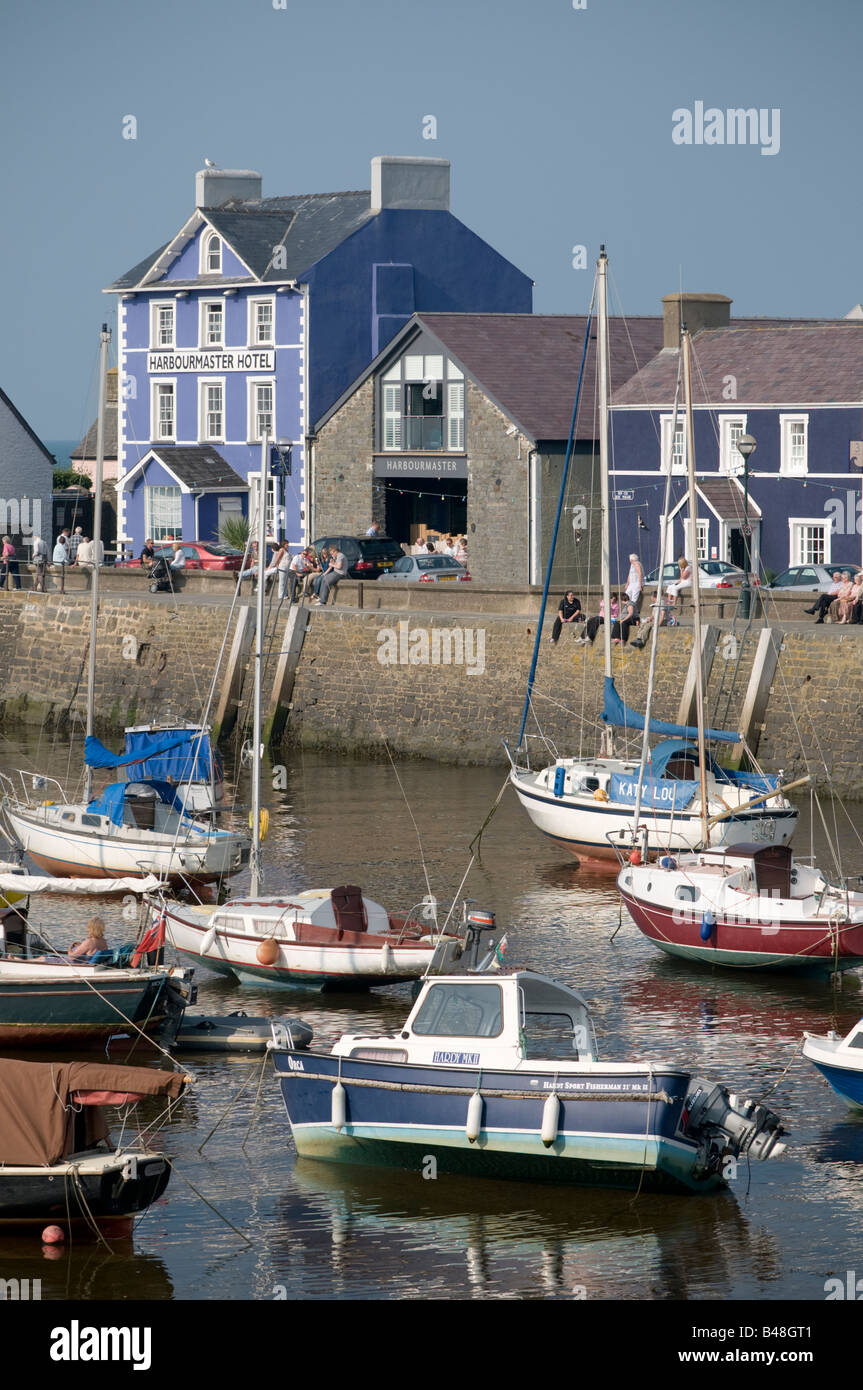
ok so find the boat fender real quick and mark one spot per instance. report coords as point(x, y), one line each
point(475, 1107)
point(388, 960)
point(550, 1120)
point(208, 942)
point(666, 862)
point(635, 857)
point(559, 781)
point(600, 794)
point(339, 1106)
point(263, 823)
point(268, 951)
point(708, 925)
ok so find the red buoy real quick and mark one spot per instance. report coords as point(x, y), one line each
point(635, 856)
point(53, 1235)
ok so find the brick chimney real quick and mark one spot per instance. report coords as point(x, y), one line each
point(402, 181)
point(696, 311)
point(215, 187)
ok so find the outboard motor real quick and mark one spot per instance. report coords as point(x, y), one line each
point(476, 921)
point(728, 1126)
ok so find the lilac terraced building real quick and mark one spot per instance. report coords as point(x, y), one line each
point(254, 318)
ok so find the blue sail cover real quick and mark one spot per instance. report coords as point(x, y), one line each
point(110, 802)
point(183, 755)
point(667, 795)
point(615, 712)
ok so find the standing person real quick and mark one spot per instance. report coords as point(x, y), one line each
point(280, 564)
point(40, 560)
point(374, 529)
point(61, 554)
point(9, 559)
point(569, 611)
point(461, 550)
point(73, 542)
point(336, 571)
point(635, 583)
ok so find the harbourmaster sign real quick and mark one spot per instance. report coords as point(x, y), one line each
point(223, 360)
point(402, 465)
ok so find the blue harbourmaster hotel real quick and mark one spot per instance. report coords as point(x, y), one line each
point(257, 314)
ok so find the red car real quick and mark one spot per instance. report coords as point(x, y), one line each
point(200, 555)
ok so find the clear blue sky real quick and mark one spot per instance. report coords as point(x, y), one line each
point(557, 121)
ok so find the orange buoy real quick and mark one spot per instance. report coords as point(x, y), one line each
point(635, 857)
point(268, 951)
point(53, 1235)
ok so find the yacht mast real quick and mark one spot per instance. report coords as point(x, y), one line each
point(696, 592)
point(104, 340)
point(259, 671)
point(602, 353)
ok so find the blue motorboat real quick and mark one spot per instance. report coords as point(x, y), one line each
point(472, 1082)
point(840, 1062)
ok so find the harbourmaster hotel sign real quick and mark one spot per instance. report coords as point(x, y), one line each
point(222, 360)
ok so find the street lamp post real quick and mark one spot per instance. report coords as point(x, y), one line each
point(746, 446)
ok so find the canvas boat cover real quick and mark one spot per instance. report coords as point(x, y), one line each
point(111, 801)
point(615, 712)
point(37, 1118)
point(184, 755)
point(38, 883)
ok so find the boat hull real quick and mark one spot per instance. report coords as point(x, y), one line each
point(614, 1131)
point(77, 855)
point(38, 1013)
point(108, 1190)
point(771, 945)
point(589, 829)
point(357, 961)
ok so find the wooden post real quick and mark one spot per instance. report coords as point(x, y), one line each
point(286, 669)
point(688, 712)
point(225, 716)
point(758, 690)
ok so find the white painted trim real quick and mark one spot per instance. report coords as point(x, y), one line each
point(153, 382)
point(203, 382)
point(157, 303)
point(251, 413)
point(729, 466)
point(204, 251)
point(151, 455)
point(174, 248)
point(793, 541)
point(748, 405)
point(204, 303)
point(232, 347)
point(666, 444)
point(251, 301)
point(785, 470)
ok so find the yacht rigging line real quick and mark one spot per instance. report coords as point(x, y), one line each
point(569, 447)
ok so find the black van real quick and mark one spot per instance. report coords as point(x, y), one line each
point(368, 557)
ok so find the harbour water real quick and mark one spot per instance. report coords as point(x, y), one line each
point(317, 1231)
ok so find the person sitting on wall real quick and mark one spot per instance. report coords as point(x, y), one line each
point(301, 568)
point(857, 607)
point(622, 625)
point(321, 565)
point(821, 606)
point(335, 572)
point(841, 607)
point(594, 624)
point(683, 581)
point(280, 565)
point(148, 554)
point(94, 941)
point(179, 560)
point(569, 611)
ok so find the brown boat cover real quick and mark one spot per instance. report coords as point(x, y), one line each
point(37, 1118)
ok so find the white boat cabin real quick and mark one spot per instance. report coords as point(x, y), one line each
point(320, 907)
point(505, 1020)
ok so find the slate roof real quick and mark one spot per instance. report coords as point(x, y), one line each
point(796, 363)
point(198, 466)
point(87, 448)
point(528, 363)
point(726, 496)
point(308, 225)
point(13, 409)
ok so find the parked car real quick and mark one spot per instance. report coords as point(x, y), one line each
point(368, 557)
point(808, 579)
point(200, 555)
point(712, 574)
point(427, 569)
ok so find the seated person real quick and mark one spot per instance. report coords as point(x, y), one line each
point(569, 611)
point(94, 941)
point(683, 581)
point(841, 608)
point(620, 628)
point(148, 554)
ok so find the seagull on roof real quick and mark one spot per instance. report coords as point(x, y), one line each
point(208, 164)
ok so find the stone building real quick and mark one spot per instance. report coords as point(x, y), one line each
point(461, 425)
point(26, 480)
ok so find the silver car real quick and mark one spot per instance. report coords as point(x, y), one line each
point(712, 574)
point(426, 569)
point(808, 579)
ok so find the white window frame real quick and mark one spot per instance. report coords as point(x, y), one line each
point(155, 397)
point(665, 437)
point(392, 415)
point(206, 242)
point(730, 460)
point(272, 503)
point(203, 435)
point(204, 307)
point(786, 469)
point(253, 434)
point(702, 538)
point(795, 551)
point(455, 416)
point(156, 306)
point(152, 527)
point(252, 322)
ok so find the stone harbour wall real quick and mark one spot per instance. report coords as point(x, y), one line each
point(446, 686)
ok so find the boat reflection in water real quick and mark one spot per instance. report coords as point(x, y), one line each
point(356, 1234)
point(79, 1270)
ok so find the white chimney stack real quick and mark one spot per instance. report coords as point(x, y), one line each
point(215, 187)
point(402, 181)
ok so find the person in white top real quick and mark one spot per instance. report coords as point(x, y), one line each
point(40, 560)
point(84, 558)
point(280, 564)
point(301, 566)
point(179, 560)
point(635, 583)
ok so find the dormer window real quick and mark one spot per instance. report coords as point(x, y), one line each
point(214, 255)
